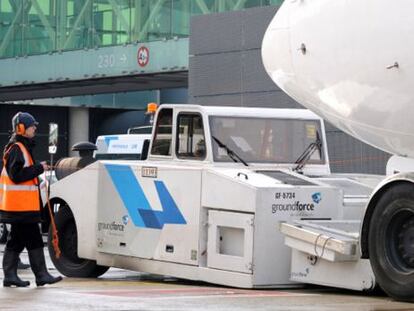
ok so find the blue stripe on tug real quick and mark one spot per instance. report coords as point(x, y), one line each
point(136, 202)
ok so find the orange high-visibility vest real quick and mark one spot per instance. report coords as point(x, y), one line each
point(21, 197)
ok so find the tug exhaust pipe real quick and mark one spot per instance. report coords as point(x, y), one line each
point(67, 166)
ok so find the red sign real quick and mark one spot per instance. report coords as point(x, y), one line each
point(143, 56)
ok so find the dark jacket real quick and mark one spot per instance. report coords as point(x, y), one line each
point(18, 174)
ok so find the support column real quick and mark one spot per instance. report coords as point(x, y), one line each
point(78, 127)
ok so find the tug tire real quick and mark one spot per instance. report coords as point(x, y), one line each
point(69, 264)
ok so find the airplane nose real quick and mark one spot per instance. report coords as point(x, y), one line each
point(276, 48)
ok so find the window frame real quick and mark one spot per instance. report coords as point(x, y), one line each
point(156, 133)
point(320, 128)
point(177, 140)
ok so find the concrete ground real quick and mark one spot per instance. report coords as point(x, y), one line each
point(127, 290)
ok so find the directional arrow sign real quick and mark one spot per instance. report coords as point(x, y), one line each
point(123, 58)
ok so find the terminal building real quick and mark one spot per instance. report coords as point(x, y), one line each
point(92, 66)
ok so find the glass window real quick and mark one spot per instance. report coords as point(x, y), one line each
point(163, 133)
point(40, 33)
point(76, 25)
point(112, 22)
point(31, 27)
point(265, 140)
point(10, 28)
point(190, 137)
point(180, 18)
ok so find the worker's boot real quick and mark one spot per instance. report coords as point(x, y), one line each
point(21, 265)
point(38, 265)
point(10, 262)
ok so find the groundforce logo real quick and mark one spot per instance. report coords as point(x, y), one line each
point(110, 226)
point(293, 207)
point(297, 206)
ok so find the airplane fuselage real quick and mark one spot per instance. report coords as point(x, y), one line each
point(350, 61)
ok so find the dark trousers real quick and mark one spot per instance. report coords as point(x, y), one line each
point(24, 235)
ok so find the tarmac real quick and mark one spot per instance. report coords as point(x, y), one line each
point(128, 290)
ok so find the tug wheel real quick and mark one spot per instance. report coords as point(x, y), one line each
point(391, 242)
point(69, 264)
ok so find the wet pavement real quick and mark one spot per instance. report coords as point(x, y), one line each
point(127, 290)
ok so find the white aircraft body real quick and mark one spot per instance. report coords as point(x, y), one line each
point(350, 62)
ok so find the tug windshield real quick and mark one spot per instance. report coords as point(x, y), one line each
point(265, 140)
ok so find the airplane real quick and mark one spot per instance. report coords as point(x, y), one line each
point(350, 62)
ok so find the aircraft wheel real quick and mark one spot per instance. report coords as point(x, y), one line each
point(69, 264)
point(391, 242)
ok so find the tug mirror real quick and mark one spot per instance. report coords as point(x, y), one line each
point(53, 137)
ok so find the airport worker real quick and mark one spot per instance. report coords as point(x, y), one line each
point(20, 204)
